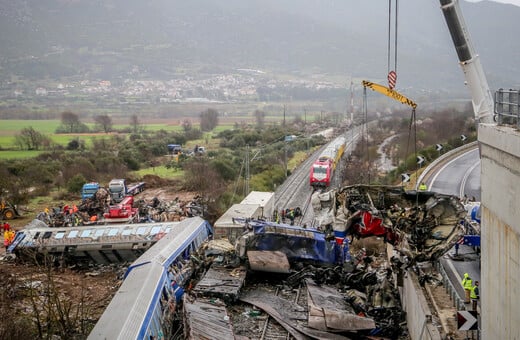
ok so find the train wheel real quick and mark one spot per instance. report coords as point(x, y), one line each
point(9, 214)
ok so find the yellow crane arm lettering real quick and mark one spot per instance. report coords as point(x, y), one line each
point(389, 93)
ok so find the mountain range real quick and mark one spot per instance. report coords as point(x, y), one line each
point(164, 39)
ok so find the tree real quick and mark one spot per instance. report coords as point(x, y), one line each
point(135, 124)
point(186, 125)
point(260, 118)
point(70, 120)
point(104, 122)
point(30, 139)
point(208, 119)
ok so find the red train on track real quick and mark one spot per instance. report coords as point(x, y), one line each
point(322, 170)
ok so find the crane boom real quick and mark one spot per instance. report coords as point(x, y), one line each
point(390, 93)
point(469, 61)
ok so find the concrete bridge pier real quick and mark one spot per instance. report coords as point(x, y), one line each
point(500, 229)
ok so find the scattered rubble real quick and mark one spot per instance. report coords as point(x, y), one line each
point(98, 210)
point(422, 226)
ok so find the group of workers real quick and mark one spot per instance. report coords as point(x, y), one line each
point(289, 213)
point(472, 291)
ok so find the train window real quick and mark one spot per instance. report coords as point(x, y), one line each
point(47, 234)
point(86, 233)
point(154, 326)
point(73, 233)
point(59, 235)
point(141, 230)
point(155, 230)
point(320, 170)
point(99, 232)
point(126, 232)
point(36, 235)
point(113, 232)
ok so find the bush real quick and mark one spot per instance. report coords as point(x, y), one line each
point(75, 184)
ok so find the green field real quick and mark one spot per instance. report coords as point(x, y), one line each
point(19, 154)
point(10, 128)
point(160, 171)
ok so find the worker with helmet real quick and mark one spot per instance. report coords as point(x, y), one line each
point(467, 284)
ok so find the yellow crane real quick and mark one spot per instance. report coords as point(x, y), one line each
point(390, 93)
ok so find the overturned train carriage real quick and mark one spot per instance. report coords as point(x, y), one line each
point(297, 243)
point(145, 305)
point(420, 225)
point(102, 244)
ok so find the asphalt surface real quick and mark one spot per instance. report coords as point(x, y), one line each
point(460, 176)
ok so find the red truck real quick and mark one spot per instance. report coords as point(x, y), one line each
point(121, 212)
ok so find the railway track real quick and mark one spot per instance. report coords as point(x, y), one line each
point(272, 330)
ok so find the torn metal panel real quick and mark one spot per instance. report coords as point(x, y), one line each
point(221, 282)
point(287, 314)
point(329, 311)
point(206, 320)
point(268, 261)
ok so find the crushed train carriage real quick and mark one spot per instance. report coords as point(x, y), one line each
point(420, 225)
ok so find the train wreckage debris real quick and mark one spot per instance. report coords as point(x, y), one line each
point(420, 225)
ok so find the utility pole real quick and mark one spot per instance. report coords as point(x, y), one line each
point(283, 115)
point(285, 157)
point(246, 189)
point(351, 103)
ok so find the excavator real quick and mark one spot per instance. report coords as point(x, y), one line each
point(7, 210)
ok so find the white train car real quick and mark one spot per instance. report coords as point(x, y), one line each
point(103, 244)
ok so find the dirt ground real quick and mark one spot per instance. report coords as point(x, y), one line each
point(89, 288)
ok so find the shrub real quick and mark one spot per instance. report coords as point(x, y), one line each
point(75, 184)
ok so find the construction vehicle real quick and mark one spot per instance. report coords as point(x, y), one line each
point(469, 61)
point(89, 190)
point(121, 212)
point(7, 210)
point(118, 189)
point(481, 98)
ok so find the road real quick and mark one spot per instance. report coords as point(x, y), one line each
point(460, 176)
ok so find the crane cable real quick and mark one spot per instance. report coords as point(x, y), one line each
point(413, 116)
point(389, 48)
point(365, 130)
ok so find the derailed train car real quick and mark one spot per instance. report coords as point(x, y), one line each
point(144, 307)
point(297, 243)
point(102, 244)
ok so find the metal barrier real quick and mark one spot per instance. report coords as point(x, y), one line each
point(450, 289)
point(507, 107)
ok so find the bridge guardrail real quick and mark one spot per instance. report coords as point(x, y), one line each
point(442, 159)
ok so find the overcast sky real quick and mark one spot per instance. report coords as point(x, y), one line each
point(514, 2)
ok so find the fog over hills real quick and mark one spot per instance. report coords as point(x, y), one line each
point(160, 39)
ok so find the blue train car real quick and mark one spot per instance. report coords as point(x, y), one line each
point(145, 304)
point(297, 243)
